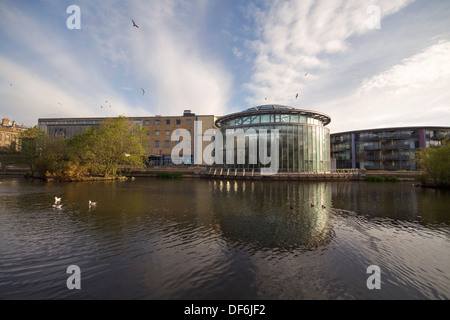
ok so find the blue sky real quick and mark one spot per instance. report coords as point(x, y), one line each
point(223, 56)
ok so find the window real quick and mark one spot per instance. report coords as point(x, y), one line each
point(188, 121)
point(157, 122)
point(167, 121)
point(255, 119)
point(284, 118)
point(147, 122)
point(167, 144)
point(138, 122)
point(167, 132)
point(265, 118)
point(157, 133)
point(178, 121)
point(156, 144)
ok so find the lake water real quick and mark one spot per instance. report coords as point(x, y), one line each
point(205, 239)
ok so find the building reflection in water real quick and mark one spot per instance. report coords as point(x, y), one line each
point(274, 215)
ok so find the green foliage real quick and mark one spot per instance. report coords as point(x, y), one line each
point(51, 155)
point(434, 163)
point(115, 146)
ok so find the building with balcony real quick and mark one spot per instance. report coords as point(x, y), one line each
point(384, 149)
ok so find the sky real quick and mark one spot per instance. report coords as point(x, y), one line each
point(367, 64)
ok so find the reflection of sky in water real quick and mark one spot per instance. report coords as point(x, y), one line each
point(200, 239)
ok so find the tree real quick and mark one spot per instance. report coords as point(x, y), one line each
point(114, 145)
point(434, 163)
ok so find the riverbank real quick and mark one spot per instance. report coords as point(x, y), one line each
point(199, 172)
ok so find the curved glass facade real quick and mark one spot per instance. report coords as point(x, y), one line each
point(304, 141)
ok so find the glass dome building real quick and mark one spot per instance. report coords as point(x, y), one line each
point(304, 140)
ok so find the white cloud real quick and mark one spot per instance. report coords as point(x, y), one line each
point(414, 91)
point(110, 60)
point(296, 36)
point(166, 55)
point(27, 96)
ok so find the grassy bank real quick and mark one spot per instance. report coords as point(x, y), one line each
point(170, 175)
point(381, 179)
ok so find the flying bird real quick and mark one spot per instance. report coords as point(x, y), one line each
point(143, 91)
point(57, 200)
point(10, 84)
point(296, 97)
point(306, 74)
point(134, 24)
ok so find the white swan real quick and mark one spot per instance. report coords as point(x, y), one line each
point(57, 200)
point(91, 204)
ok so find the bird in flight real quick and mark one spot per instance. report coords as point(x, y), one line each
point(306, 74)
point(134, 24)
point(296, 97)
point(143, 91)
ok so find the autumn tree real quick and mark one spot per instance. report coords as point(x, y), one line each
point(115, 145)
point(434, 162)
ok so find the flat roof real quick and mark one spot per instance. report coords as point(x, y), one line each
point(391, 128)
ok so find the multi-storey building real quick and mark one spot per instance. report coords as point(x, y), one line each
point(384, 149)
point(9, 133)
point(159, 130)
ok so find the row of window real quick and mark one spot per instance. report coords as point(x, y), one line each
point(167, 132)
point(300, 148)
point(270, 118)
point(167, 143)
point(140, 122)
point(158, 122)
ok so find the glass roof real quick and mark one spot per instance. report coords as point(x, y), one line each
point(270, 107)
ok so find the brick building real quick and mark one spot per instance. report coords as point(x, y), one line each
point(9, 133)
point(159, 130)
